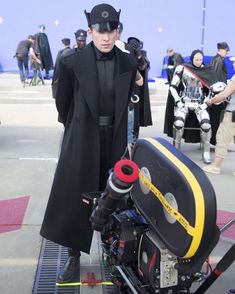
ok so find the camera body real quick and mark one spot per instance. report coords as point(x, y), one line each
point(159, 226)
point(140, 257)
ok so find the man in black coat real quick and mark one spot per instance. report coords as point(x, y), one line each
point(43, 51)
point(62, 52)
point(65, 51)
point(92, 94)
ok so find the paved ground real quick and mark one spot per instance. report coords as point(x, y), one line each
point(29, 142)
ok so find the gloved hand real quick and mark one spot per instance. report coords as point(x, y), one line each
point(135, 44)
point(201, 108)
point(179, 104)
point(138, 53)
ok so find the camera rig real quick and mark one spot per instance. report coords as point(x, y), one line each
point(157, 218)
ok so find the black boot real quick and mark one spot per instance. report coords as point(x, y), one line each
point(70, 270)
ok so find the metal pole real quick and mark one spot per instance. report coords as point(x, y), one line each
point(203, 24)
point(227, 225)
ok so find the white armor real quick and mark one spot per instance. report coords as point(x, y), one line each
point(190, 99)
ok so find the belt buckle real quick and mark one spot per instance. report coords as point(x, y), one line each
point(105, 121)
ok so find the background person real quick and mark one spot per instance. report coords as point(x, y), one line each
point(43, 51)
point(142, 109)
point(174, 59)
point(35, 65)
point(92, 94)
point(22, 56)
point(226, 130)
point(80, 36)
point(65, 51)
point(62, 52)
point(217, 62)
point(139, 113)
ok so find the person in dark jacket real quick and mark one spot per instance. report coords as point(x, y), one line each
point(22, 55)
point(174, 59)
point(65, 51)
point(92, 94)
point(217, 62)
point(142, 109)
point(139, 107)
point(62, 52)
point(43, 51)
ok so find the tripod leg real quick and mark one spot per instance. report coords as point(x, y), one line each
point(222, 266)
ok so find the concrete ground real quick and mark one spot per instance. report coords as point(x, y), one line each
point(29, 143)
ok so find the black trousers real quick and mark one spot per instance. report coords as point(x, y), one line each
point(106, 142)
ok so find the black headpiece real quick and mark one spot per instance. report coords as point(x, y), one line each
point(194, 53)
point(103, 18)
point(80, 35)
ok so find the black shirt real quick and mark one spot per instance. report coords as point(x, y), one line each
point(105, 66)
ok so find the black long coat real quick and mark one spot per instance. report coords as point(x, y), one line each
point(76, 95)
point(43, 50)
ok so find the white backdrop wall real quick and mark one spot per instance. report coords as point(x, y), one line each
point(158, 23)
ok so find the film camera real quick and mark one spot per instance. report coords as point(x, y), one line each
point(157, 218)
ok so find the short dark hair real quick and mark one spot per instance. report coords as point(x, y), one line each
point(223, 45)
point(66, 41)
point(31, 37)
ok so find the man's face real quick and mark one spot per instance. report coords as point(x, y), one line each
point(223, 52)
point(104, 42)
point(197, 60)
point(81, 43)
point(170, 52)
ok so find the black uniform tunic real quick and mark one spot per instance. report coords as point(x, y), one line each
point(105, 66)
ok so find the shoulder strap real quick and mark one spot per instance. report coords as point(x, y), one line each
point(197, 77)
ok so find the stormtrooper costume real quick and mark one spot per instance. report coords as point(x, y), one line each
point(190, 99)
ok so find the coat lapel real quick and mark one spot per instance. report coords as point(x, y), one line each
point(86, 73)
point(123, 80)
